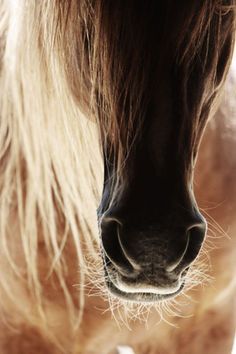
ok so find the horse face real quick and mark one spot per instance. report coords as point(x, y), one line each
point(171, 63)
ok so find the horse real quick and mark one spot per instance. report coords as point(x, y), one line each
point(105, 190)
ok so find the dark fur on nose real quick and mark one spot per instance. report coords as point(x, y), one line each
point(149, 257)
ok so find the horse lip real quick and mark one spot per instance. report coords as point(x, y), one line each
point(147, 295)
point(147, 289)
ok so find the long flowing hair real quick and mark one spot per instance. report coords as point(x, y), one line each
point(61, 98)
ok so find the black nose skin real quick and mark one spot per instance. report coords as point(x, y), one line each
point(135, 249)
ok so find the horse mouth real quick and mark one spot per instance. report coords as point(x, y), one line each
point(139, 295)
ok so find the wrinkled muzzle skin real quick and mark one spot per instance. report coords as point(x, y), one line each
point(150, 226)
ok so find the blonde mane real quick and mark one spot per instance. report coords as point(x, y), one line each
point(50, 162)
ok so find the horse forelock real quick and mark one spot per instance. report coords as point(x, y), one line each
point(114, 67)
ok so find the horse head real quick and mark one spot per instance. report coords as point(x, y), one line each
point(161, 69)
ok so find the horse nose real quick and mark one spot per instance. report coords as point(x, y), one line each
point(150, 255)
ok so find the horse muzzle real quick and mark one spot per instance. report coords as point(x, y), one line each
point(148, 263)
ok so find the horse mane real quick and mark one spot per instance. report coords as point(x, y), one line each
point(49, 173)
point(58, 96)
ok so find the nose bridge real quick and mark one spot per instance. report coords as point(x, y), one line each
point(164, 199)
point(154, 173)
point(158, 180)
point(168, 202)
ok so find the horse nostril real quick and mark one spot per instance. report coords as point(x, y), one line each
point(113, 247)
point(173, 266)
point(195, 237)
